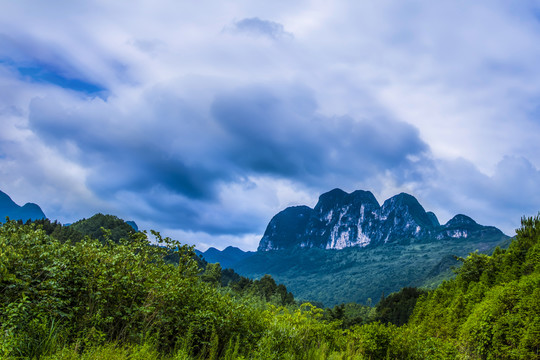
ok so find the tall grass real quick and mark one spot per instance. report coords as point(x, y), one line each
point(149, 351)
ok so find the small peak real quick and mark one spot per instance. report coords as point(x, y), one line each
point(31, 206)
point(211, 250)
point(460, 220)
point(412, 206)
point(31, 211)
point(364, 197)
point(333, 194)
point(434, 221)
point(405, 197)
point(330, 199)
point(402, 199)
point(232, 249)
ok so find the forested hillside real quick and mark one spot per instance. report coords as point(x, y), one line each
point(492, 309)
point(360, 274)
point(89, 299)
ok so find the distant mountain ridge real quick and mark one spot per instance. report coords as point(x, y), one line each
point(341, 220)
point(8, 208)
point(227, 257)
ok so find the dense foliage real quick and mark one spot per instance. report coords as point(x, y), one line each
point(398, 307)
point(91, 299)
point(57, 230)
point(492, 309)
point(351, 314)
point(119, 229)
point(264, 288)
point(364, 273)
point(91, 293)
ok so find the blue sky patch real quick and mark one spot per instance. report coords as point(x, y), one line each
point(47, 75)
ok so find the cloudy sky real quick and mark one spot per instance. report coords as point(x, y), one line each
point(204, 119)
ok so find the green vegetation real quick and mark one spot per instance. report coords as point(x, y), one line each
point(311, 273)
point(351, 314)
point(492, 309)
point(118, 228)
point(81, 297)
point(264, 289)
point(398, 307)
point(91, 299)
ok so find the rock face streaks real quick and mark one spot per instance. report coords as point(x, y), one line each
point(341, 220)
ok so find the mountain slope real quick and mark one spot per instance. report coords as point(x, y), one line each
point(8, 208)
point(357, 274)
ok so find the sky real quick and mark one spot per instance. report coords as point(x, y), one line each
point(202, 120)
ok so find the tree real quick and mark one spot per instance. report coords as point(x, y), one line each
point(212, 274)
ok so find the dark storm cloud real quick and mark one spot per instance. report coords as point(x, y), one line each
point(174, 210)
point(133, 158)
point(513, 188)
point(279, 132)
point(177, 158)
point(256, 26)
point(499, 199)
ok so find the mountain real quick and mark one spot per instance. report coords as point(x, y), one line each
point(348, 248)
point(8, 208)
point(341, 220)
point(227, 258)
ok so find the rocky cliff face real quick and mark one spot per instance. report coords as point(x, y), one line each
point(341, 220)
